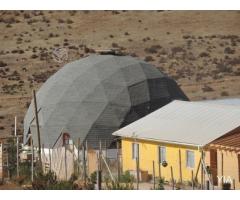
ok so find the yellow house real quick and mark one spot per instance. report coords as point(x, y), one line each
point(184, 159)
point(180, 135)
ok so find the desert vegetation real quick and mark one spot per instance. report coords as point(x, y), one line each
point(200, 50)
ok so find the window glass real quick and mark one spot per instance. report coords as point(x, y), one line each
point(135, 150)
point(162, 154)
point(190, 159)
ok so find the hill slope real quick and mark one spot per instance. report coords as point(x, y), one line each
point(199, 49)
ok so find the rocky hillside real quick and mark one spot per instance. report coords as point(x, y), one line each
point(199, 49)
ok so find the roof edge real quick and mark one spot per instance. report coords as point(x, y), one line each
point(163, 141)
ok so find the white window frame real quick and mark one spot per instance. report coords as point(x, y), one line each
point(160, 155)
point(190, 164)
point(135, 150)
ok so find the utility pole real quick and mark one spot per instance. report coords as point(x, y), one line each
point(38, 129)
point(17, 144)
point(32, 160)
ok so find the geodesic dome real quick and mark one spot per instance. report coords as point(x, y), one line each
point(95, 96)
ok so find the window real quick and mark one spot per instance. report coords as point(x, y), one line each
point(161, 154)
point(66, 138)
point(135, 150)
point(190, 159)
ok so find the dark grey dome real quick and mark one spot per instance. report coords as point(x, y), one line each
point(95, 96)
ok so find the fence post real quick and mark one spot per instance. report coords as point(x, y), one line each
point(84, 165)
point(192, 181)
point(202, 171)
point(43, 160)
point(50, 159)
point(222, 167)
point(208, 185)
point(99, 174)
point(32, 159)
point(153, 174)
point(159, 169)
point(100, 155)
point(180, 165)
point(172, 177)
point(78, 157)
point(65, 161)
point(17, 145)
point(118, 163)
point(38, 129)
point(87, 162)
point(137, 170)
point(73, 157)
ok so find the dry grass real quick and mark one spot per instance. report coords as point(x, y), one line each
point(199, 49)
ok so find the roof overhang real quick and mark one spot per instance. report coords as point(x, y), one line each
point(199, 146)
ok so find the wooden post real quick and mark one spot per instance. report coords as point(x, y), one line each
point(99, 173)
point(86, 157)
point(199, 163)
point(118, 163)
point(192, 181)
point(50, 159)
point(38, 129)
point(208, 185)
point(100, 166)
point(73, 158)
point(137, 170)
point(159, 170)
point(84, 165)
point(78, 158)
point(201, 171)
point(32, 159)
point(172, 177)
point(105, 149)
point(234, 185)
point(43, 160)
point(222, 167)
point(65, 161)
point(17, 145)
point(153, 174)
point(100, 155)
point(180, 165)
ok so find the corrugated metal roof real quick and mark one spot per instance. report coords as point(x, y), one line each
point(192, 123)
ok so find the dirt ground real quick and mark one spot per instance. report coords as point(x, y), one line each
point(199, 49)
point(10, 186)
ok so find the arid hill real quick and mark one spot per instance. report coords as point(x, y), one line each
point(199, 49)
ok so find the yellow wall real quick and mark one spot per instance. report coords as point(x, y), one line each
point(230, 165)
point(148, 152)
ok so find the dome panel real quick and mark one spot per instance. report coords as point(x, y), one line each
point(92, 97)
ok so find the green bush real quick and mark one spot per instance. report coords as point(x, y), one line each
point(126, 177)
point(125, 182)
point(49, 181)
point(161, 182)
point(111, 185)
point(93, 177)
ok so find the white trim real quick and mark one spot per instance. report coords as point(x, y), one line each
point(164, 141)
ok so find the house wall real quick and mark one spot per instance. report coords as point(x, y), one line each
point(148, 152)
point(230, 166)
